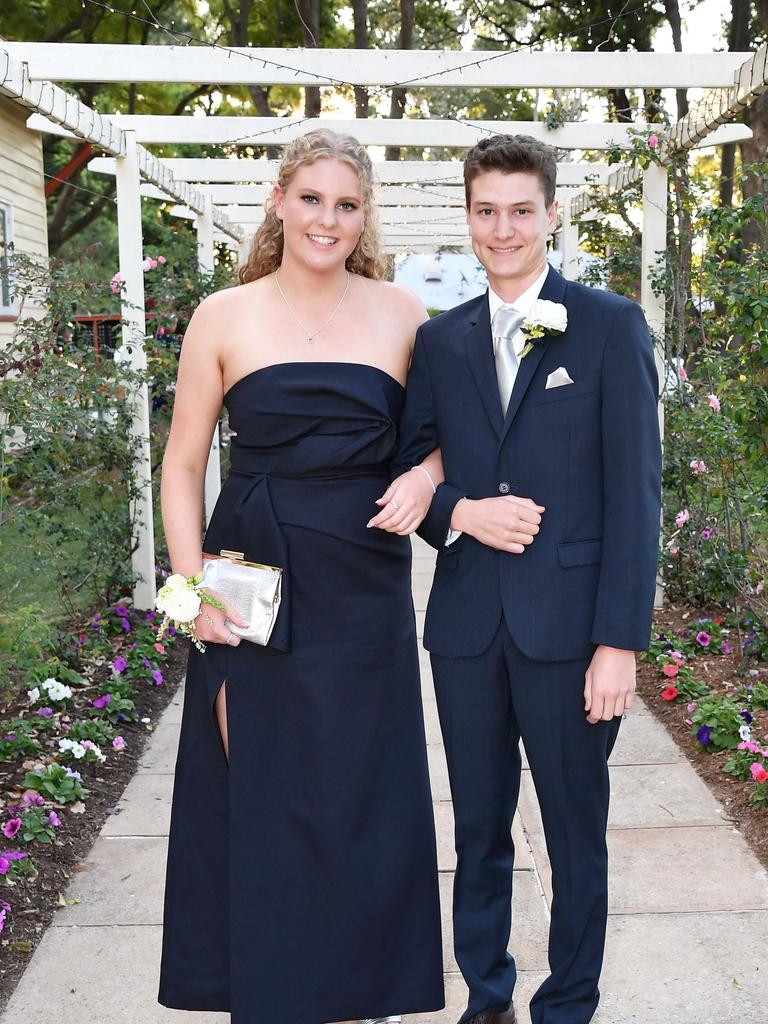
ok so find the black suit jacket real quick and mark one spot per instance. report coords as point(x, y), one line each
point(589, 451)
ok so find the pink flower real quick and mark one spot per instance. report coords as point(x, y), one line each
point(751, 746)
point(670, 671)
point(5, 863)
point(714, 403)
point(653, 141)
point(682, 517)
point(54, 819)
point(162, 260)
point(690, 708)
point(118, 743)
point(32, 799)
point(11, 827)
point(706, 533)
point(146, 264)
point(726, 647)
point(153, 264)
point(698, 466)
point(703, 639)
point(160, 648)
point(669, 693)
point(672, 547)
point(682, 373)
point(4, 909)
point(759, 774)
point(116, 283)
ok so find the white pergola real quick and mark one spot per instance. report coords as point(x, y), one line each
point(421, 202)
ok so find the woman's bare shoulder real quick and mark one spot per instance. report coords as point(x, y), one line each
point(227, 300)
point(402, 301)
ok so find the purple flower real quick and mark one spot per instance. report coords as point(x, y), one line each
point(746, 716)
point(726, 647)
point(31, 798)
point(119, 665)
point(121, 611)
point(4, 864)
point(4, 908)
point(703, 638)
point(147, 663)
point(171, 630)
point(9, 736)
point(11, 827)
point(73, 774)
point(157, 675)
point(706, 534)
point(44, 712)
point(102, 701)
point(118, 743)
point(704, 734)
point(684, 632)
point(53, 819)
point(150, 616)
point(125, 625)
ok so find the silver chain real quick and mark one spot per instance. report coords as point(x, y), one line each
point(313, 334)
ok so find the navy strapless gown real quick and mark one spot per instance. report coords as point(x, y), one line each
point(302, 876)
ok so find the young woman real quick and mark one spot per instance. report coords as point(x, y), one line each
point(302, 878)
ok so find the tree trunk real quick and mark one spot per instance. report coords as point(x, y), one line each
point(754, 150)
point(672, 8)
point(397, 107)
point(309, 15)
point(738, 34)
point(360, 11)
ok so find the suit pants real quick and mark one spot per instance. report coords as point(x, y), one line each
point(486, 704)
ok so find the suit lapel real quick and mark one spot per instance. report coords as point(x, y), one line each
point(553, 289)
point(479, 346)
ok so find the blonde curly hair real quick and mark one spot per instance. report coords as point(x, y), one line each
point(367, 258)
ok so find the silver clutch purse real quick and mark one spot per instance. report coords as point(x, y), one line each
point(250, 589)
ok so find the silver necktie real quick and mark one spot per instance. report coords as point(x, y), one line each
point(506, 323)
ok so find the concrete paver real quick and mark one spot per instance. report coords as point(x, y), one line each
point(688, 908)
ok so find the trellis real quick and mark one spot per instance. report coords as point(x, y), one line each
point(421, 201)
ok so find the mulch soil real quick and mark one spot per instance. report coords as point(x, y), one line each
point(723, 673)
point(36, 899)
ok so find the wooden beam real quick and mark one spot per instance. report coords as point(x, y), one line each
point(279, 131)
point(393, 172)
point(85, 62)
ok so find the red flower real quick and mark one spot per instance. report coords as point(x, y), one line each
point(669, 693)
point(670, 671)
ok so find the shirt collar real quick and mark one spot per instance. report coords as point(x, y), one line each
point(523, 303)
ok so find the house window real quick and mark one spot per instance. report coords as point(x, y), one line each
point(7, 307)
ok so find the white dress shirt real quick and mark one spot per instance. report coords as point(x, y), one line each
point(523, 304)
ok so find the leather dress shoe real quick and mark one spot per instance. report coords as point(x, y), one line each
point(494, 1016)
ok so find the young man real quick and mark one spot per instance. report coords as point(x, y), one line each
point(547, 534)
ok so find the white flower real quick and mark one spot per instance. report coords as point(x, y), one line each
point(178, 599)
point(57, 690)
point(552, 316)
point(76, 749)
point(745, 732)
point(34, 694)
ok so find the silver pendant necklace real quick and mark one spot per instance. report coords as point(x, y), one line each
point(312, 335)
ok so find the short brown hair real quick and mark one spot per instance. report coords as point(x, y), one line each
point(511, 154)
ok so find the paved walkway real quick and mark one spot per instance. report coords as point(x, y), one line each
point(688, 926)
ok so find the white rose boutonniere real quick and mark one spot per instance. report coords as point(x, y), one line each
point(547, 318)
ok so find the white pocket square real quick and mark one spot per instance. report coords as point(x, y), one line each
point(558, 377)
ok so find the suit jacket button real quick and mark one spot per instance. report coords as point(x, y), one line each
point(503, 487)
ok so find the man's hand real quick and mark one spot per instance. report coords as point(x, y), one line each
point(609, 685)
point(507, 524)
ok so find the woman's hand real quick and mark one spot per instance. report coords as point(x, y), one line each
point(210, 627)
point(404, 503)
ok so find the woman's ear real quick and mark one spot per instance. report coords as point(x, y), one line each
point(279, 199)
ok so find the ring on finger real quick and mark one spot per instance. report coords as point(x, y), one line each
point(230, 637)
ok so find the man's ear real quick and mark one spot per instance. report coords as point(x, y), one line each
point(552, 213)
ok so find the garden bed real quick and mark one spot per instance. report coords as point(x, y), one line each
point(727, 675)
point(35, 896)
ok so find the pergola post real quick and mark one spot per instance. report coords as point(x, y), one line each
point(133, 353)
point(205, 257)
point(655, 184)
point(569, 238)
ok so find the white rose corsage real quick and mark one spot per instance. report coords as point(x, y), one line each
point(179, 601)
point(547, 318)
